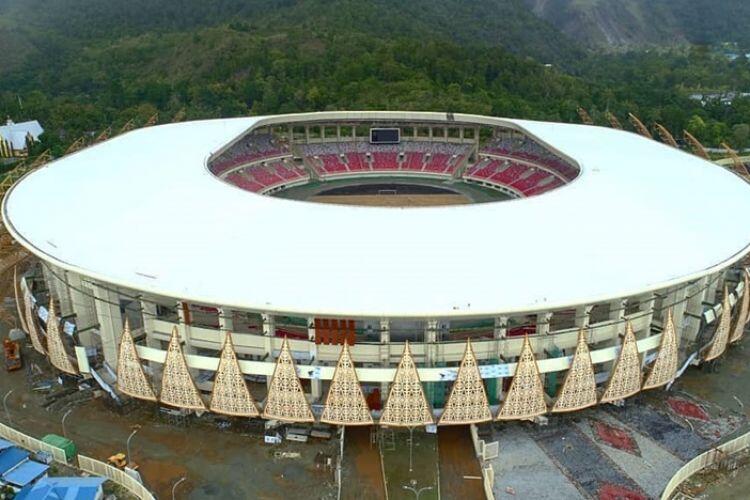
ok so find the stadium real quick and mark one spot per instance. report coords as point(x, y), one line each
point(406, 268)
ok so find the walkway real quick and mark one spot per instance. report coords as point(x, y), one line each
point(460, 474)
point(362, 471)
point(631, 452)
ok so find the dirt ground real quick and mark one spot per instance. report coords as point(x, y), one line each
point(396, 200)
point(218, 463)
point(362, 473)
point(723, 382)
point(460, 474)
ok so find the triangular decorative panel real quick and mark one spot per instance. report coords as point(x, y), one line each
point(345, 404)
point(177, 386)
point(131, 379)
point(625, 379)
point(525, 398)
point(57, 354)
point(721, 336)
point(579, 389)
point(286, 399)
point(406, 405)
point(19, 309)
point(665, 365)
point(741, 321)
point(467, 402)
point(36, 336)
point(230, 395)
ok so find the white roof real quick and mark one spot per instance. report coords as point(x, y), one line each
point(143, 211)
point(15, 133)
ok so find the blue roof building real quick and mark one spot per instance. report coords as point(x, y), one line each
point(64, 488)
point(4, 445)
point(26, 473)
point(11, 458)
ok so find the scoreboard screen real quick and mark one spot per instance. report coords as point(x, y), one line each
point(385, 135)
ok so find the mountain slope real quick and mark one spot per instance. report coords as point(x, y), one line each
point(638, 23)
point(36, 26)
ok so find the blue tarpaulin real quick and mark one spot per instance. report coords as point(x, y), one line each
point(10, 457)
point(4, 445)
point(25, 473)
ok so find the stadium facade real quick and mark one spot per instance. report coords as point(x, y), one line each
point(597, 264)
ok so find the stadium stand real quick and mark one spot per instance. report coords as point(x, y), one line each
point(527, 150)
point(382, 160)
point(260, 163)
point(252, 148)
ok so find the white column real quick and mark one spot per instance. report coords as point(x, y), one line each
point(149, 319)
point(183, 328)
point(714, 283)
point(385, 353)
point(500, 332)
point(583, 316)
point(60, 279)
point(693, 310)
point(617, 310)
point(82, 302)
point(316, 385)
point(269, 330)
point(226, 320)
point(678, 310)
point(647, 307)
point(430, 338)
point(542, 323)
point(108, 313)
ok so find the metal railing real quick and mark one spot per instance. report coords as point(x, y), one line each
point(704, 460)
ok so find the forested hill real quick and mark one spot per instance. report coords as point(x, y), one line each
point(621, 24)
point(30, 26)
point(79, 66)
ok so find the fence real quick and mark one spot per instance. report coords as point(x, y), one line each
point(339, 460)
point(31, 443)
point(488, 481)
point(704, 460)
point(84, 463)
point(484, 452)
point(116, 475)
